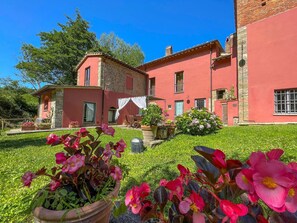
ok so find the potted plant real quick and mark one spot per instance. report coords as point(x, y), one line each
point(26, 126)
point(83, 183)
point(151, 116)
point(73, 124)
point(262, 190)
point(170, 128)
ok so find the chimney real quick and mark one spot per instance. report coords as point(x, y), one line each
point(168, 51)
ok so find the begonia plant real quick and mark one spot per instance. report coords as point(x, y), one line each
point(83, 173)
point(262, 190)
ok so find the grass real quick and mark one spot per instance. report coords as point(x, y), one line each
point(21, 153)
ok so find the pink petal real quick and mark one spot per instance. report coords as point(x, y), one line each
point(291, 202)
point(184, 206)
point(198, 217)
point(255, 158)
point(136, 209)
point(275, 154)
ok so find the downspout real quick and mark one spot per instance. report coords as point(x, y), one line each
point(103, 92)
point(210, 69)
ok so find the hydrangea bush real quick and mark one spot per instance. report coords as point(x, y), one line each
point(262, 190)
point(83, 173)
point(198, 122)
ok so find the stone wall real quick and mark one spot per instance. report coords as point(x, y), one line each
point(242, 74)
point(112, 77)
point(57, 108)
point(249, 11)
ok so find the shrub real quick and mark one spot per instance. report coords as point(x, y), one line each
point(198, 122)
point(152, 115)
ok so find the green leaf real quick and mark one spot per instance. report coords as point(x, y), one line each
point(119, 210)
point(59, 207)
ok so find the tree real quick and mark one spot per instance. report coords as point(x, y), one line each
point(119, 49)
point(60, 51)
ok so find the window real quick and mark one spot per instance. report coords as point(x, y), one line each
point(179, 108)
point(129, 83)
point(220, 94)
point(179, 82)
point(87, 76)
point(285, 101)
point(152, 83)
point(200, 103)
point(169, 107)
point(89, 112)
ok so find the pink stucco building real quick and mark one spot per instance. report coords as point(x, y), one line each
point(251, 79)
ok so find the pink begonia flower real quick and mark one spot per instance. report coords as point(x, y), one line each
point(54, 185)
point(107, 130)
point(60, 158)
point(27, 178)
point(83, 132)
point(218, 158)
point(255, 158)
point(232, 211)
point(71, 142)
point(244, 180)
point(120, 148)
point(163, 182)
point(52, 139)
point(116, 173)
point(291, 200)
point(194, 203)
point(274, 154)
point(185, 173)
point(271, 180)
point(107, 153)
point(73, 163)
point(135, 196)
point(176, 188)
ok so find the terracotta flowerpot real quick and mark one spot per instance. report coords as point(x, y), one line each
point(28, 128)
point(98, 212)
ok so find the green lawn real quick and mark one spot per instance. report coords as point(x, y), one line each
point(21, 153)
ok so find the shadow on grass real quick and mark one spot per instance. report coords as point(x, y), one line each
point(153, 176)
point(11, 144)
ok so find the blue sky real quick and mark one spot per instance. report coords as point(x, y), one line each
point(152, 24)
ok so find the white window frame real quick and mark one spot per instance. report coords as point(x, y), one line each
point(285, 101)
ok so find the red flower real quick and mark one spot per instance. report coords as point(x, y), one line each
point(218, 158)
point(135, 196)
point(116, 173)
point(120, 148)
point(107, 130)
point(27, 178)
point(72, 142)
point(176, 188)
point(73, 163)
point(60, 158)
point(163, 182)
point(185, 173)
point(232, 211)
point(54, 185)
point(82, 132)
point(52, 139)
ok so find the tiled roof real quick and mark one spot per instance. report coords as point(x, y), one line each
point(52, 87)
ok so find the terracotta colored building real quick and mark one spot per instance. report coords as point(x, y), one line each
point(253, 79)
point(101, 80)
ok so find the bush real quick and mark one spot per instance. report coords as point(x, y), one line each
point(151, 115)
point(198, 122)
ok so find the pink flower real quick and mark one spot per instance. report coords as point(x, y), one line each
point(274, 154)
point(82, 132)
point(194, 203)
point(72, 142)
point(218, 158)
point(232, 211)
point(120, 148)
point(185, 173)
point(60, 158)
point(176, 188)
point(27, 178)
point(52, 139)
point(73, 163)
point(291, 199)
point(163, 182)
point(116, 173)
point(107, 153)
point(244, 180)
point(135, 196)
point(107, 130)
point(54, 184)
point(271, 180)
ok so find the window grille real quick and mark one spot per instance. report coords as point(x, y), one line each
point(200, 103)
point(285, 101)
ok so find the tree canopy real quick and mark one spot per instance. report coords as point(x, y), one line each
point(61, 50)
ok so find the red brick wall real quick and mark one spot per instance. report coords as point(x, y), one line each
point(249, 11)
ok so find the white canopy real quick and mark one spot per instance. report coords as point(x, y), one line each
point(141, 102)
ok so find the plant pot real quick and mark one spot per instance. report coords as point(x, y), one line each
point(148, 134)
point(28, 128)
point(98, 212)
point(162, 132)
point(170, 131)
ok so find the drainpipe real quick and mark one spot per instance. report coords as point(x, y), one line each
point(210, 69)
point(103, 92)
